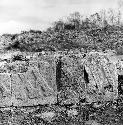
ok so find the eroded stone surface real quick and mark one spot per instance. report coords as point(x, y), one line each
point(33, 87)
point(28, 83)
point(103, 78)
point(5, 90)
point(34, 82)
point(72, 81)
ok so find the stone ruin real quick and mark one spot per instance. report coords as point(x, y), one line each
point(29, 84)
point(93, 77)
point(102, 84)
point(48, 79)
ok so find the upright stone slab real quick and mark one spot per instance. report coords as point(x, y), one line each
point(103, 78)
point(72, 79)
point(47, 67)
point(36, 85)
point(5, 90)
point(19, 96)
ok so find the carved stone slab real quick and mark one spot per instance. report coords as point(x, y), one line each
point(27, 84)
point(103, 77)
point(36, 85)
point(5, 90)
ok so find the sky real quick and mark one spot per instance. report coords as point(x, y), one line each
point(21, 15)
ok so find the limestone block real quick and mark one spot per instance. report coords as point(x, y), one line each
point(72, 79)
point(5, 90)
point(19, 95)
point(47, 67)
point(34, 86)
point(102, 76)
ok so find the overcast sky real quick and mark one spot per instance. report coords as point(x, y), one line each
point(19, 15)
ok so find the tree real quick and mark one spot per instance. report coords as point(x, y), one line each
point(103, 18)
point(59, 25)
point(110, 17)
point(75, 19)
point(119, 17)
point(95, 19)
point(120, 6)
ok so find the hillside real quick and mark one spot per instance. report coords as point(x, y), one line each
point(86, 34)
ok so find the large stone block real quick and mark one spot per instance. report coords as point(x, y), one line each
point(28, 83)
point(71, 79)
point(36, 85)
point(46, 66)
point(103, 78)
point(5, 90)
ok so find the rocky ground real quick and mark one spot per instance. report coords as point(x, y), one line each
point(110, 113)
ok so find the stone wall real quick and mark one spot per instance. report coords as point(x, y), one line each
point(46, 79)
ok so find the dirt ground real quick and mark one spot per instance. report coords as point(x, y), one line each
point(110, 113)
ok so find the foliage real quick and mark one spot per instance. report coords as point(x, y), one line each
point(100, 31)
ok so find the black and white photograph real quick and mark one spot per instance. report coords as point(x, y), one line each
point(61, 62)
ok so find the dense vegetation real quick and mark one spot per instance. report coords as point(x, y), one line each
point(100, 31)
